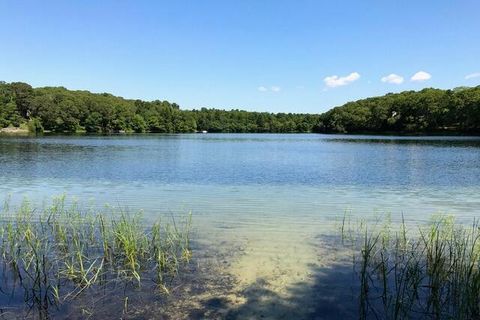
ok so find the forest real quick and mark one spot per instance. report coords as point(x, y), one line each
point(57, 109)
point(426, 111)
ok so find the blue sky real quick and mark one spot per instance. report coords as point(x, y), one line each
point(279, 56)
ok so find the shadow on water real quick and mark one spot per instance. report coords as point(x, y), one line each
point(328, 297)
point(330, 292)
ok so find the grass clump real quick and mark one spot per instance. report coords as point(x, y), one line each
point(426, 272)
point(57, 253)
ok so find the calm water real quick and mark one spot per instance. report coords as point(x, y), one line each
point(273, 195)
point(306, 175)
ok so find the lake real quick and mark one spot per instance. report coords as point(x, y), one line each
point(263, 204)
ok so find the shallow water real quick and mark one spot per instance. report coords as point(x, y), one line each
point(270, 199)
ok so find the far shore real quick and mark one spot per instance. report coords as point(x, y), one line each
point(447, 133)
point(14, 130)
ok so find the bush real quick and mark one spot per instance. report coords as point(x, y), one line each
point(35, 126)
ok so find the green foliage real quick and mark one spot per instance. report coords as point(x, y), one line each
point(9, 114)
point(22, 93)
point(425, 111)
point(62, 110)
point(35, 126)
point(214, 120)
point(138, 124)
point(57, 109)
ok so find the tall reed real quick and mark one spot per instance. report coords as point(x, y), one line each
point(426, 272)
point(60, 251)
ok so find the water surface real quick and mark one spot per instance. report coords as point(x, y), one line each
point(268, 196)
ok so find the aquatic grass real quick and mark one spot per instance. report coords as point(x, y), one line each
point(430, 271)
point(57, 253)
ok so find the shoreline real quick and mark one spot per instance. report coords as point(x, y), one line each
point(24, 131)
point(14, 130)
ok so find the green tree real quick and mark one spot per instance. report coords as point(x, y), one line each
point(22, 92)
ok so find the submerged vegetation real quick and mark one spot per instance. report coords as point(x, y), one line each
point(432, 272)
point(57, 109)
point(61, 252)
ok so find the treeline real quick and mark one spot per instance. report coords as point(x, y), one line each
point(57, 109)
point(425, 111)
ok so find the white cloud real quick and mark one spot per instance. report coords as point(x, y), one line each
point(393, 78)
point(275, 88)
point(262, 89)
point(336, 81)
point(421, 76)
point(272, 89)
point(472, 75)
